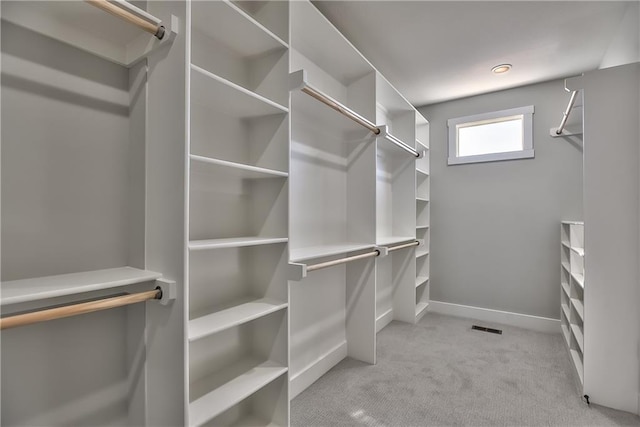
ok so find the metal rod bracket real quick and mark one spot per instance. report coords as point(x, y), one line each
point(297, 80)
point(169, 291)
point(297, 271)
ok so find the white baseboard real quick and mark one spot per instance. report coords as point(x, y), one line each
point(535, 323)
point(310, 374)
point(384, 320)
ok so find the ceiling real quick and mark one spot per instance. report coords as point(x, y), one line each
point(434, 51)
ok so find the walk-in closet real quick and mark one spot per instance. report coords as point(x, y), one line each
point(318, 213)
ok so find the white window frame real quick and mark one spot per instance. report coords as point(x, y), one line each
point(527, 151)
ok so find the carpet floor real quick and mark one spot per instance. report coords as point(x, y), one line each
point(440, 372)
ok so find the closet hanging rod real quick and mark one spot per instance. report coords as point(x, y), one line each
point(565, 114)
point(401, 144)
point(342, 260)
point(80, 308)
point(340, 108)
point(406, 245)
point(132, 14)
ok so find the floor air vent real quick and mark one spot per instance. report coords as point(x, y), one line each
point(482, 328)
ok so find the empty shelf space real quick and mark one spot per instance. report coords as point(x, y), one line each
point(421, 280)
point(565, 309)
point(235, 315)
point(238, 29)
point(321, 251)
point(577, 362)
point(253, 421)
point(421, 307)
point(238, 169)
point(566, 334)
point(565, 288)
point(422, 199)
point(385, 241)
point(577, 304)
point(566, 266)
point(579, 278)
point(247, 377)
point(422, 172)
point(421, 252)
point(235, 242)
point(19, 291)
point(577, 333)
point(208, 89)
point(579, 251)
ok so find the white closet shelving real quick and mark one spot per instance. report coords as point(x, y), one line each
point(423, 217)
point(237, 325)
point(572, 291)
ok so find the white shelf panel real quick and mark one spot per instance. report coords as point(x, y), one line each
point(422, 199)
point(420, 171)
point(566, 334)
point(421, 308)
point(422, 227)
point(209, 324)
point(565, 288)
point(240, 31)
point(577, 362)
point(577, 333)
point(321, 251)
point(566, 266)
point(577, 304)
point(219, 394)
point(39, 288)
point(565, 309)
point(384, 241)
point(235, 242)
point(421, 280)
point(239, 170)
point(579, 278)
point(422, 145)
point(565, 243)
point(579, 251)
point(572, 222)
point(421, 252)
point(250, 420)
point(221, 95)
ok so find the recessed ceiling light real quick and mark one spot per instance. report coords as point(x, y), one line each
point(501, 69)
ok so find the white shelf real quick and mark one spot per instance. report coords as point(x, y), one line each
point(240, 31)
point(577, 362)
point(566, 334)
point(420, 171)
point(321, 251)
point(235, 242)
point(250, 420)
point(384, 241)
point(422, 199)
point(218, 393)
point(39, 288)
point(421, 144)
point(577, 304)
point(565, 288)
point(239, 170)
point(421, 252)
point(566, 266)
point(577, 333)
point(421, 308)
point(236, 315)
point(579, 278)
point(85, 27)
point(572, 222)
point(221, 95)
point(421, 280)
point(579, 251)
point(566, 244)
point(565, 309)
point(422, 227)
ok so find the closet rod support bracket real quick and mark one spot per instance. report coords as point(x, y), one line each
point(169, 291)
point(382, 250)
point(297, 271)
point(297, 80)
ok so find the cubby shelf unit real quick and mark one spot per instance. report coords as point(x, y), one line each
point(572, 291)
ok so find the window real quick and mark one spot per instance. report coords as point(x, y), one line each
point(489, 137)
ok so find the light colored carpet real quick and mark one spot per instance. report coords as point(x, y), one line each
point(442, 373)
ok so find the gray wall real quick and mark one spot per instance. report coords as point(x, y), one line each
point(495, 226)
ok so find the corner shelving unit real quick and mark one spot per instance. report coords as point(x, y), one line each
point(423, 217)
point(237, 315)
point(572, 292)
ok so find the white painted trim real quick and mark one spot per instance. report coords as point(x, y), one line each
point(493, 157)
point(526, 321)
point(384, 320)
point(310, 374)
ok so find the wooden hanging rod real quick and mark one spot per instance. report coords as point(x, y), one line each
point(565, 114)
point(342, 109)
point(406, 245)
point(342, 260)
point(76, 309)
point(131, 14)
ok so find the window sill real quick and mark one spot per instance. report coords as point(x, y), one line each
point(493, 157)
